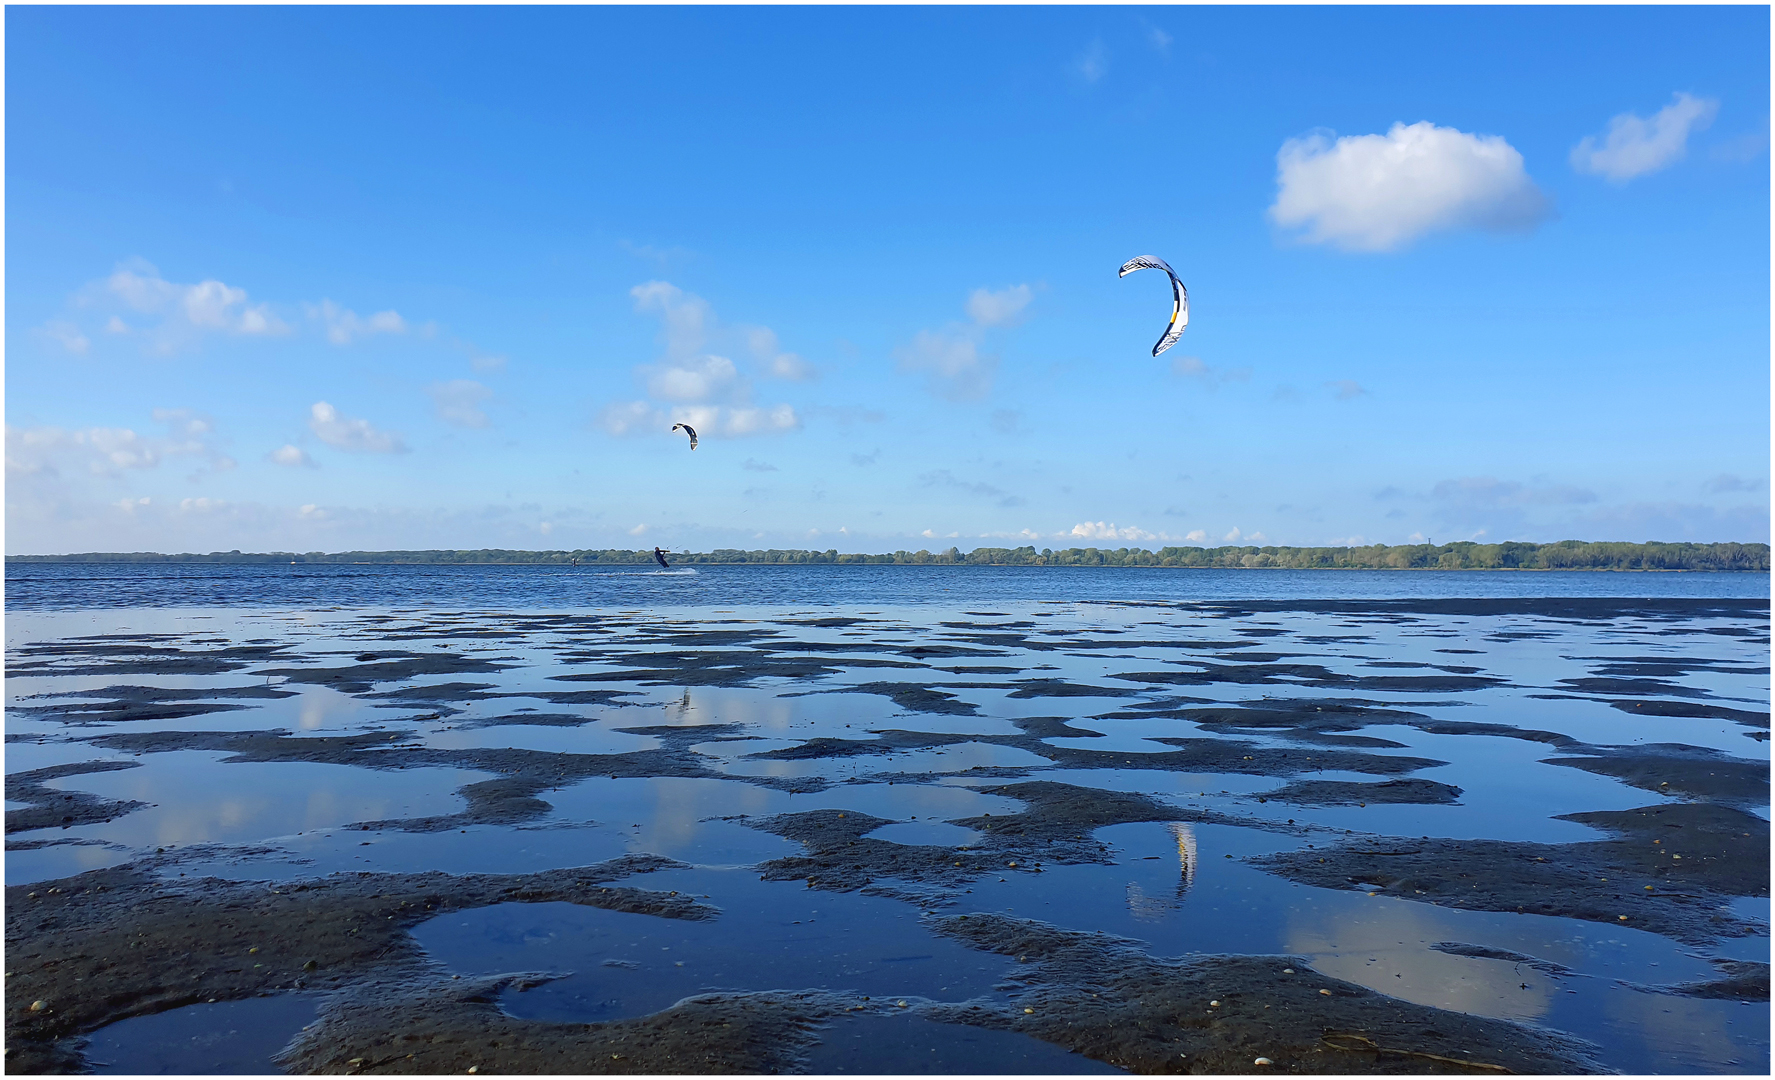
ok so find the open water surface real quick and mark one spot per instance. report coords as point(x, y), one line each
point(915, 695)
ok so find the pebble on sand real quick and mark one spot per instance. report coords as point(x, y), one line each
point(1263, 1061)
point(1327, 993)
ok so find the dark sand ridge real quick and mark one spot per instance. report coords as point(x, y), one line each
point(125, 704)
point(97, 947)
point(1104, 997)
point(51, 808)
point(1671, 870)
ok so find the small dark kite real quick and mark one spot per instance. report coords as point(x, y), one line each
point(688, 430)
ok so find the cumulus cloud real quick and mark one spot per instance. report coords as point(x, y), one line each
point(292, 455)
point(1381, 192)
point(459, 402)
point(1098, 530)
point(168, 315)
point(344, 326)
point(1632, 146)
point(110, 451)
point(345, 433)
point(697, 386)
point(1196, 536)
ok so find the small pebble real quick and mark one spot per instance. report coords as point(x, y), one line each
point(1028, 1010)
point(1287, 971)
point(1263, 1061)
point(1213, 1004)
point(1327, 993)
point(39, 1006)
point(901, 1004)
point(1623, 918)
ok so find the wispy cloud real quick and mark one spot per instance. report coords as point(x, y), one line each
point(1634, 146)
point(459, 402)
point(345, 433)
point(1192, 367)
point(946, 479)
point(951, 358)
point(1345, 389)
point(344, 326)
point(1092, 64)
point(1381, 192)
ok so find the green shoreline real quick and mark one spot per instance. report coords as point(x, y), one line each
point(1464, 555)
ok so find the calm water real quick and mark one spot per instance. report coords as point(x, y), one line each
point(1100, 634)
point(40, 586)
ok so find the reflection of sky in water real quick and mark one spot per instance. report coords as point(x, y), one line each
point(196, 802)
point(768, 936)
point(590, 738)
point(1147, 895)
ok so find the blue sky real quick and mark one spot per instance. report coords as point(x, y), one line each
point(334, 278)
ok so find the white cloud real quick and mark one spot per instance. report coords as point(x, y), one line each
point(482, 362)
point(202, 505)
point(1097, 530)
point(1156, 37)
point(773, 360)
point(638, 530)
point(107, 451)
point(129, 506)
point(698, 378)
point(1196, 536)
point(700, 388)
point(952, 358)
point(459, 402)
point(1345, 389)
point(1633, 147)
point(1234, 536)
point(67, 335)
point(1001, 308)
point(343, 326)
point(1381, 192)
point(346, 433)
point(177, 314)
point(641, 418)
point(292, 455)
point(1093, 63)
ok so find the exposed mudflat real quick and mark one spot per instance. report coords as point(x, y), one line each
point(1432, 835)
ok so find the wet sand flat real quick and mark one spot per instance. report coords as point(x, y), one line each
point(1403, 835)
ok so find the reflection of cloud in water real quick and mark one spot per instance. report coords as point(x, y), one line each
point(1387, 948)
point(322, 707)
point(194, 802)
point(1684, 1034)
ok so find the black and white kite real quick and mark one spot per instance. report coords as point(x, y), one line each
point(660, 557)
point(690, 431)
point(1179, 299)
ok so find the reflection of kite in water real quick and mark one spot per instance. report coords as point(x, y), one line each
point(690, 431)
point(660, 557)
point(1186, 855)
point(1148, 907)
point(1179, 300)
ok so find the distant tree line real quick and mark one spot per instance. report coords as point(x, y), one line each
point(1565, 555)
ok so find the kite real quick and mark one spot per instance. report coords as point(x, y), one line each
point(1179, 299)
point(690, 431)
